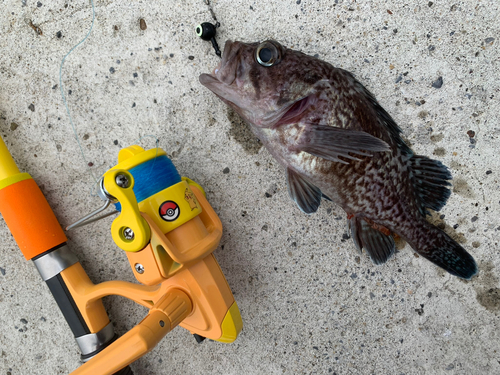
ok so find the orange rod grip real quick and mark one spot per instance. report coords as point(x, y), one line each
point(30, 218)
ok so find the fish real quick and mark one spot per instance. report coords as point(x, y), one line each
point(336, 142)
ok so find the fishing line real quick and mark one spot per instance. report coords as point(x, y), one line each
point(71, 118)
point(147, 176)
point(64, 96)
point(157, 142)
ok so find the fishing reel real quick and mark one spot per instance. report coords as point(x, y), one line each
point(168, 231)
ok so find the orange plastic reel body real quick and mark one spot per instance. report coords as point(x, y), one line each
point(207, 305)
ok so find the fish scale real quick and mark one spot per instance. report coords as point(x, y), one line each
point(336, 142)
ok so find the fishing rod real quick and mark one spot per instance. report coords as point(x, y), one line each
point(168, 231)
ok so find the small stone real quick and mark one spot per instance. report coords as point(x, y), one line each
point(489, 171)
point(2, 271)
point(474, 219)
point(59, 148)
point(471, 133)
point(111, 70)
point(142, 24)
point(437, 84)
point(13, 126)
point(135, 75)
point(133, 104)
point(115, 27)
point(85, 137)
point(264, 227)
point(171, 55)
point(115, 142)
point(430, 4)
point(59, 34)
point(24, 321)
point(298, 1)
point(90, 164)
point(31, 107)
point(39, 4)
point(225, 170)
point(395, 31)
point(489, 40)
point(431, 48)
point(191, 57)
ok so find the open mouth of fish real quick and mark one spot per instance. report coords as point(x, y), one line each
point(227, 82)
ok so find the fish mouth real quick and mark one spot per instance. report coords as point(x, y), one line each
point(224, 72)
point(223, 79)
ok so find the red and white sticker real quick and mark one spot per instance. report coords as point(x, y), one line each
point(169, 211)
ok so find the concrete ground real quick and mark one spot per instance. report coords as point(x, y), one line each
point(310, 303)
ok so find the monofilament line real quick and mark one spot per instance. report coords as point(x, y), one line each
point(64, 96)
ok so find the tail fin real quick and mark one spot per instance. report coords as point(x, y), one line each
point(436, 246)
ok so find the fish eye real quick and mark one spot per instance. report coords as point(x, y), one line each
point(267, 54)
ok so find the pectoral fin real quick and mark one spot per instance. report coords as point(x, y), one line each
point(305, 194)
point(330, 143)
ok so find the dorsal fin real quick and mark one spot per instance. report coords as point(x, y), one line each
point(384, 118)
point(430, 179)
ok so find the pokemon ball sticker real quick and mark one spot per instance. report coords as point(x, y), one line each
point(169, 211)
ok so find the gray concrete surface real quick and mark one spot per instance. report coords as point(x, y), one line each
point(310, 303)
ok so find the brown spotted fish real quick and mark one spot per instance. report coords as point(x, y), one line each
point(336, 142)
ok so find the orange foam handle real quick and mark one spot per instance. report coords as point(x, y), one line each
point(30, 218)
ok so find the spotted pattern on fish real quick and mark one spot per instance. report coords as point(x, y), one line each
point(334, 139)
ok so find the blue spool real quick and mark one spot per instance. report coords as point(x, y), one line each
point(152, 177)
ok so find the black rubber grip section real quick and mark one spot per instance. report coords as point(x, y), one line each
point(125, 371)
point(68, 306)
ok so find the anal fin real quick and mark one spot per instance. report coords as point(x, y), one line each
point(379, 246)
